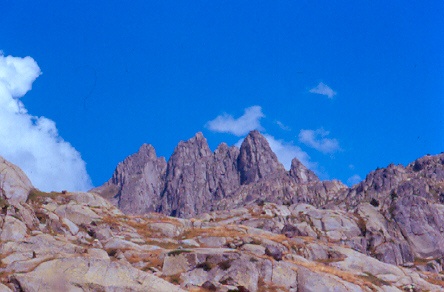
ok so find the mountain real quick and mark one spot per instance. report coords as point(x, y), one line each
point(255, 226)
point(196, 180)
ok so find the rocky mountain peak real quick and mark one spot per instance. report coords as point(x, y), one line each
point(194, 148)
point(302, 174)
point(256, 159)
point(147, 150)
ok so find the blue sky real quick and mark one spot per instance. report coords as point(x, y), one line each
point(346, 87)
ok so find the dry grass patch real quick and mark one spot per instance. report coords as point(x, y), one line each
point(217, 231)
point(165, 245)
point(435, 279)
point(375, 280)
point(37, 196)
point(368, 280)
point(264, 286)
point(152, 259)
point(174, 279)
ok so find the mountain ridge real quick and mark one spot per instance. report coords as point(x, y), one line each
point(196, 180)
point(384, 234)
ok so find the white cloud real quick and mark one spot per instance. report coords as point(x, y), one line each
point(32, 142)
point(317, 140)
point(286, 151)
point(282, 126)
point(323, 89)
point(354, 179)
point(249, 121)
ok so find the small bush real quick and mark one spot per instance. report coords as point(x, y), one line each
point(206, 266)
point(225, 265)
point(3, 203)
point(374, 280)
point(374, 202)
point(178, 252)
point(175, 279)
point(36, 195)
point(253, 260)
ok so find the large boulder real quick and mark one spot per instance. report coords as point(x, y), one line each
point(89, 274)
point(14, 184)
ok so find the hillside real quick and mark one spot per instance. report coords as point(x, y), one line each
point(243, 223)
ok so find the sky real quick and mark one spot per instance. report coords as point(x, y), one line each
point(345, 87)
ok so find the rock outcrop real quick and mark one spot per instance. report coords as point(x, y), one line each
point(137, 183)
point(196, 180)
point(14, 184)
point(399, 210)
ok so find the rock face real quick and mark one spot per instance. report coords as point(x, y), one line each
point(196, 180)
point(137, 183)
point(256, 160)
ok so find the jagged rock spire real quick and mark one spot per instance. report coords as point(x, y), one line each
point(302, 174)
point(256, 159)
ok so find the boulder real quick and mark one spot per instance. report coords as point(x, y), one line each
point(13, 229)
point(70, 274)
point(14, 184)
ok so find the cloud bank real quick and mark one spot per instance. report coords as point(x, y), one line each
point(249, 121)
point(323, 89)
point(32, 142)
point(317, 139)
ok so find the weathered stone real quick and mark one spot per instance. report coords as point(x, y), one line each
point(14, 184)
point(284, 276)
point(89, 273)
point(309, 281)
point(177, 262)
point(13, 229)
point(213, 241)
point(167, 229)
point(301, 174)
point(254, 249)
point(256, 160)
point(77, 214)
point(98, 253)
point(74, 229)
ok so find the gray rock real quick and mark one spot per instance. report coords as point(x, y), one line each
point(137, 182)
point(302, 174)
point(89, 274)
point(77, 214)
point(420, 222)
point(256, 160)
point(14, 184)
point(213, 241)
point(13, 229)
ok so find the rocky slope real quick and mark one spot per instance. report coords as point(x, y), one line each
point(81, 242)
